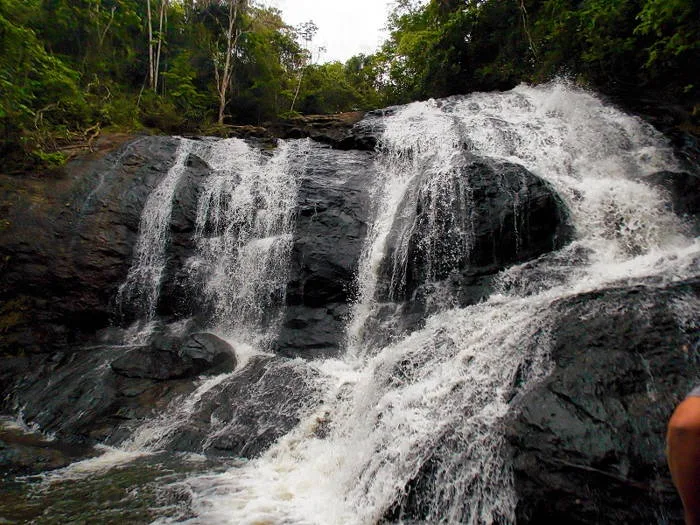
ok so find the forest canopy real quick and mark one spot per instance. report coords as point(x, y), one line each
point(70, 68)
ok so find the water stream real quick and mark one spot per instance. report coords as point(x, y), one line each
point(417, 423)
point(428, 409)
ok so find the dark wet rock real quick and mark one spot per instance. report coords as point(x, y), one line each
point(684, 192)
point(184, 211)
point(676, 121)
point(66, 242)
point(23, 452)
point(492, 215)
point(588, 441)
point(102, 392)
point(312, 332)
point(342, 131)
point(208, 351)
point(146, 363)
point(172, 358)
point(177, 297)
point(331, 225)
point(250, 410)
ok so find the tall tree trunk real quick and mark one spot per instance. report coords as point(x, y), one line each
point(526, 27)
point(296, 91)
point(151, 64)
point(223, 77)
point(163, 17)
point(307, 30)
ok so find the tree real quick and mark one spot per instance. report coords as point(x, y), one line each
point(154, 54)
point(37, 90)
point(267, 62)
point(306, 31)
point(223, 53)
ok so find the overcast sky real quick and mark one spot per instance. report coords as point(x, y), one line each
point(345, 27)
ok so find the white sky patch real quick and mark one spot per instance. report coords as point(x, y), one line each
point(345, 27)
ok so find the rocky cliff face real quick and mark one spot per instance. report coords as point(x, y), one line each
point(66, 243)
point(586, 442)
point(69, 244)
point(331, 224)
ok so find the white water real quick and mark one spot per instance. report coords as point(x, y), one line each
point(142, 284)
point(243, 240)
point(244, 235)
point(437, 398)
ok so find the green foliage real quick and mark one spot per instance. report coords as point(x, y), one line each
point(180, 80)
point(450, 46)
point(53, 159)
point(37, 90)
point(674, 26)
point(69, 67)
point(327, 89)
point(270, 58)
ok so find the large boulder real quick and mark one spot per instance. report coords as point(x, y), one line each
point(173, 358)
point(588, 441)
point(248, 411)
point(343, 131)
point(103, 392)
point(486, 215)
point(585, 429)
point(452, 236)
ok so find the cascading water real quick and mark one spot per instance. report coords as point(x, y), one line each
point(244, 235)
point(415, 422)
point(414, 429)
point(243, 239)
point(142, 284)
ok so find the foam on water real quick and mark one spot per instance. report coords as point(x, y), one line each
point(108, 459)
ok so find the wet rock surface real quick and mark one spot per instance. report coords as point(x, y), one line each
point(492, 215)
point(23, 452)
point(331, 225)
point(95, 393)
point(684, 191)
point(588, 441)
point(67, 246)
point(341, 131)
point(173, 358)
point(66, 242)
point(177, 297)
point(250, 410)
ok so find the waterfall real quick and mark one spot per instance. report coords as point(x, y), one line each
point(243, 235)
point(142, 285)
point(414, 429)
point(242, 243)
